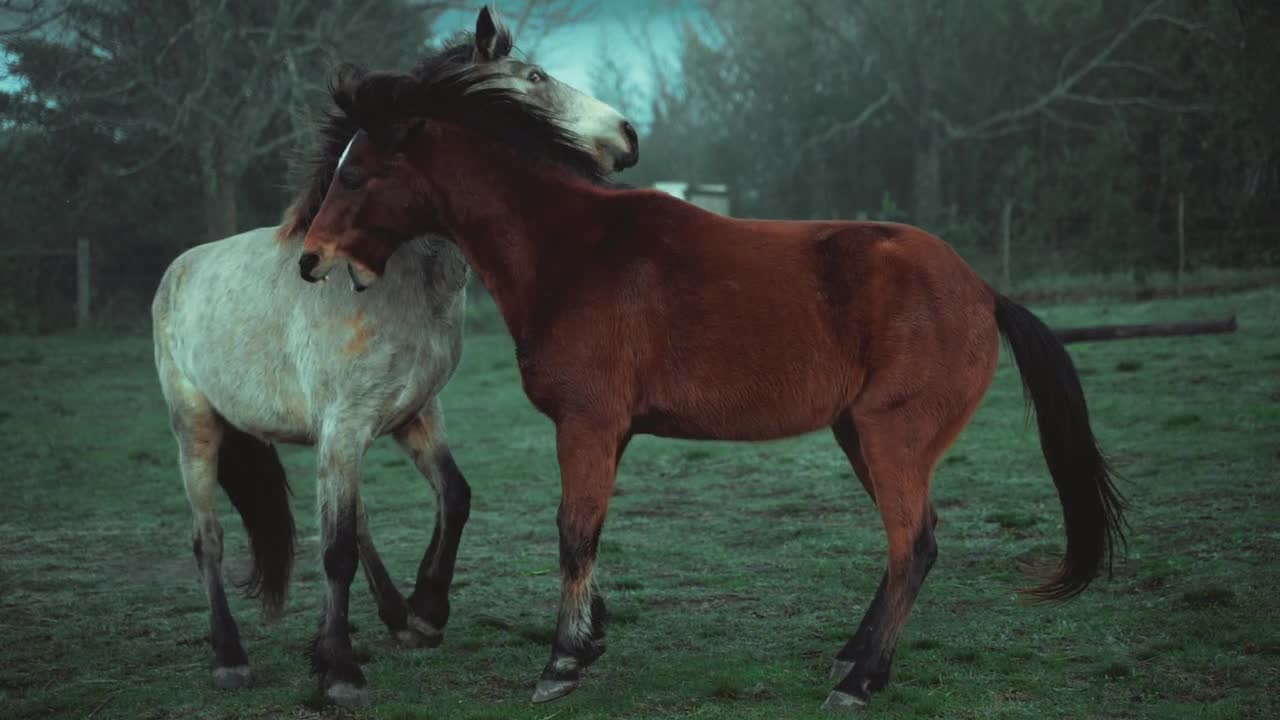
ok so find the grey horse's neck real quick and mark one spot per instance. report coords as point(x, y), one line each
point(443, 267)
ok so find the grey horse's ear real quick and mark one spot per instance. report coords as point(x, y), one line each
point(493, 40)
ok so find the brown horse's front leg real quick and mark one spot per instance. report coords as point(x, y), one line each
point(588, 454)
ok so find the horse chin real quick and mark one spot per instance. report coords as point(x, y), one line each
point(361, 277)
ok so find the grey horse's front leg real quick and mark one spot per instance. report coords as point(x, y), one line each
point(423, 440)
point(407, 629)
point(339, 500)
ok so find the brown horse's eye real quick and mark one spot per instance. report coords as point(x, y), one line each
point(350, 178)
point(536, 76)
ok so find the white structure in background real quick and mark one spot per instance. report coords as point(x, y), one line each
point(708, 196)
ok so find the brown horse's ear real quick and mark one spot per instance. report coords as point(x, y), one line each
point(493, 40)
point(348, 74)
point(346, 79)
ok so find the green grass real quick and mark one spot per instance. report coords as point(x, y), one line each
point(734, 572)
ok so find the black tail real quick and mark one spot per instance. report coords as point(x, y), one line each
point(1092, 508)
point(250, 472)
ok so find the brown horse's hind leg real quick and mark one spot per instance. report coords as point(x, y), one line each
point(898, 475)
point(199, 434)
point(588, 458)
point(847, 435)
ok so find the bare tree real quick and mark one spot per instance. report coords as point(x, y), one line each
point(19, 17)
point(531, 21)
point(219, 84)
point(914, 46)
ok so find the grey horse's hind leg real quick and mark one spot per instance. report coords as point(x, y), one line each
point(423, 440)
point(199, 433)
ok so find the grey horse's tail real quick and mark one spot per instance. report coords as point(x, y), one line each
point(250, 472)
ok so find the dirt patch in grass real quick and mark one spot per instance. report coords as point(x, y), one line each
point(1178, 421)
point(1209, 597)
point(1013, 520)
point(700, 602)
point(725, 689)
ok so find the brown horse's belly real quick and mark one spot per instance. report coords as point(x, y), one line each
point(761, 416)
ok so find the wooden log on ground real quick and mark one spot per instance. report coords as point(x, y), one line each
point(1124, 332)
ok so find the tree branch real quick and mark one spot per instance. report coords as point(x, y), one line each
point(841, 128)
point(1065, 88)
point(31, 15)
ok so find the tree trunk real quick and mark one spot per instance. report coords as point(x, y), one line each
point(927, 182)
point(218, 186)
point(1123, 332)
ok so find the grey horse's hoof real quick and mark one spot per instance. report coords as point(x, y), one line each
point(842, 702)
point(549, 690)
point(840, 668)
point(232, 678)
point(347, 695)
point(411, 639)
point(418, 634)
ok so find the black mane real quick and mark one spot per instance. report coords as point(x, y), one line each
point(460, 94)
point(445, 86)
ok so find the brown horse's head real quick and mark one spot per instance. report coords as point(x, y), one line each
point(375, 204)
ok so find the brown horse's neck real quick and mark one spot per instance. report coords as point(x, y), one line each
point(518, 222)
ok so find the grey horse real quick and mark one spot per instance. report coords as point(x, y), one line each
point(248, 355)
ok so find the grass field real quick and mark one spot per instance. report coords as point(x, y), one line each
point(734, 572)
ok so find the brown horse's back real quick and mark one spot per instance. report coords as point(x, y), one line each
point(755, 330)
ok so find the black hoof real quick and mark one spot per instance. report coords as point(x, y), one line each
point(559, 678)
point(232, 678)
point(549, 690)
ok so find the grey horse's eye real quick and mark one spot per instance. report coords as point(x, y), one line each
point(536, 76)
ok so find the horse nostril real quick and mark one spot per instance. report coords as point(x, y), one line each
point(306, 264)
point(629, 131)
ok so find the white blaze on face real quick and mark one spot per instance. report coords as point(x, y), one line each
point(595, 123)
point(327, 259)
point(345, 152)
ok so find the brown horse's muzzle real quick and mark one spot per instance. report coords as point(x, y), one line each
point(316, 266)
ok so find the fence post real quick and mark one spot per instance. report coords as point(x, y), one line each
point(1006, 219)
point(1182, 239)
point(82, 283)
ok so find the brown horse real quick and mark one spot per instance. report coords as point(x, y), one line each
point(634, 312)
